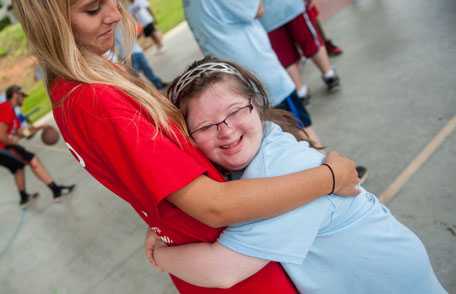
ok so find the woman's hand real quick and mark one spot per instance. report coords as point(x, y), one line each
point(152, 243)
point(346, 177)
point(260, 11)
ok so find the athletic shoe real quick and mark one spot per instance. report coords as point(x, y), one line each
point(63, 190)
point(332, 49)
point(26, 201)
point(305, 100)
point(362, 173)
point(332, 83)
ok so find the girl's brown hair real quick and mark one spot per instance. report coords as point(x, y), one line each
point(245, 83)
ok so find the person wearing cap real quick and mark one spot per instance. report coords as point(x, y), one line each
point(15, 157)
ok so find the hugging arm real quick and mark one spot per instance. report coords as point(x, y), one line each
point(220, 204)
point(208, 265)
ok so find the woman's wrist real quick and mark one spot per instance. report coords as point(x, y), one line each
point(333, 178)
point(157, 247)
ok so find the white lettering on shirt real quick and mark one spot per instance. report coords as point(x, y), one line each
point(165, 239)
point(75, 154)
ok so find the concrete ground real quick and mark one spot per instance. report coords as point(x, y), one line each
point(399, 90)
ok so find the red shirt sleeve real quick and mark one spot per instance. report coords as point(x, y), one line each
point(116, 140)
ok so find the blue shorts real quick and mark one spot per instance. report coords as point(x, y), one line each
point(294, 105)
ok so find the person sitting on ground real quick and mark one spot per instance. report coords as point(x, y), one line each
point(15, 157)
point(330, 245)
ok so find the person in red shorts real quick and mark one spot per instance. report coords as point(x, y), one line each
point(313, 13)
point(289, 25)
point(133, 140)
point(14, 157)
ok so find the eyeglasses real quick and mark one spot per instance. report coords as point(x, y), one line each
point(234, 117)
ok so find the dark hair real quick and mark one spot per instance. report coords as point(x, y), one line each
point(247, 85)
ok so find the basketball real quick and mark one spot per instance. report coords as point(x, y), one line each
point(50, 136)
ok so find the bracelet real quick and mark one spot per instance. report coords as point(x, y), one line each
point(333, 177)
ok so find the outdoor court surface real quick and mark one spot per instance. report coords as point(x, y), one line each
point(394, 114)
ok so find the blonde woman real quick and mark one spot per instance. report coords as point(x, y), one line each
point(134, 141)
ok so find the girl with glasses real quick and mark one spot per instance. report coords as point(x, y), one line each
point(134, 141)
point(330, 245)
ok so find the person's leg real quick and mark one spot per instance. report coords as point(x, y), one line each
point(331, 48)
point(39, 170)
point(158, 39)
point(151, 31)
point(305, 34)
point(295, 75)
point(288, 55)
point(42, 174)
point(19, 177)
point(140, 64)
point(16, 167)
point(321, 60)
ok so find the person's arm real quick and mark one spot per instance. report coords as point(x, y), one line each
point(28, 132)
point(156, 160)
point(202, 264)
point(5, 138)
point(221, 204)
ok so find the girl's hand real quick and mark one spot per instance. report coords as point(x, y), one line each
point(151, 244)
point(346, 177)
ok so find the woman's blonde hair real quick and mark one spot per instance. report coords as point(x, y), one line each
point(48, 28)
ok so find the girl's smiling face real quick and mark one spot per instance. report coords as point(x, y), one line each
point(225, 125)
point(94, 22)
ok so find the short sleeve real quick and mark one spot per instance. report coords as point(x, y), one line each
point(121, 149)
point(286, 238)
point(236, 11)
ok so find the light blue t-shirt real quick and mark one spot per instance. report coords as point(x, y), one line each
point(278, 13)
point(228, 30)
point(333, 244)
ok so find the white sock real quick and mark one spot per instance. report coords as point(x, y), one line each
point(329, 74)
point(303, 91)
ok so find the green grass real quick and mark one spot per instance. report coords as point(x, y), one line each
point(13, 41)
point(37, 104)
point(169, 13)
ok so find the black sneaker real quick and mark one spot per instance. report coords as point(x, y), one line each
point(362, 173)
point(27, 200)
point(332, 83)
point(63, 190)
point(305, 100)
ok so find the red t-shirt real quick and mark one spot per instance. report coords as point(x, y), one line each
point(112, 138)
point(8, 117)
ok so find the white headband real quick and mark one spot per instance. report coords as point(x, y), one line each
point(192, 74)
